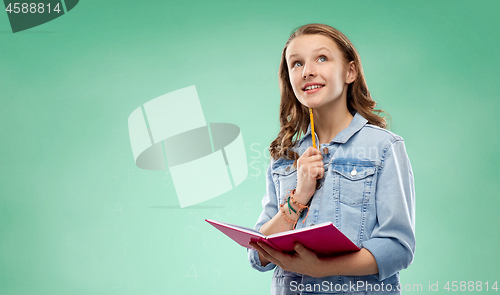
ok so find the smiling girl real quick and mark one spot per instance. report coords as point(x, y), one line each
point(359, 177)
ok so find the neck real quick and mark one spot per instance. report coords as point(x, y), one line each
point(331, 120)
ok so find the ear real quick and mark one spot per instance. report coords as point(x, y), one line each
point(352, 73)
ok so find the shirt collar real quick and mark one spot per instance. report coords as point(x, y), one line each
point(356, 124)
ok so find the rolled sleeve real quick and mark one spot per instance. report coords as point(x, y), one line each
point(270, 208)
point(392, 242)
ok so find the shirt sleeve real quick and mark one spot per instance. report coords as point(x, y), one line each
point(270, 208)
point(392, 242)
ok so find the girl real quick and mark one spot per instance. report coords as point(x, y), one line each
point(359, 177)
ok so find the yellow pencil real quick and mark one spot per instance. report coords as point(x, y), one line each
point(312, 127)
point(318, 184)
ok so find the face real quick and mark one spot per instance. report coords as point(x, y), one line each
point(317, 71)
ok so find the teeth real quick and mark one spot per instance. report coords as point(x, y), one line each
point(313, 87)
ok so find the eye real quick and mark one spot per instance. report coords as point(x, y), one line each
point(296, 64)
point(322, 58)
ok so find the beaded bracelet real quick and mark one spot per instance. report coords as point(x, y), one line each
point(293, 222)
point(301, 208)
point(290, 208)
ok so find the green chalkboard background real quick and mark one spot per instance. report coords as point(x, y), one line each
point(78, 217)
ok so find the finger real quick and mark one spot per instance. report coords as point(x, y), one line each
point(273, 252)
point(310, 169)
point(315, 158)
point(317, 164)
point(304, 162)
point(316, 171)
point(321, 172)
point(314, 168)
point(311, 151)
point(266, 255)
point(315, 150)
point(302, 251)
point(258, 248)
point(253, 244)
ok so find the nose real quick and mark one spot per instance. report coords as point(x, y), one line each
point(308, 70)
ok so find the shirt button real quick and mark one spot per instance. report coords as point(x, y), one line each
point(287, 168)
point(312, 224)
point(354, 172)
point(325, 150)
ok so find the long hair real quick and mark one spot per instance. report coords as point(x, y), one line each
point(294, 117)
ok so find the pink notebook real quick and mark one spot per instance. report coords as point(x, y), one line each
point(324, 239)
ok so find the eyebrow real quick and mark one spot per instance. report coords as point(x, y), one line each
point(315, 50)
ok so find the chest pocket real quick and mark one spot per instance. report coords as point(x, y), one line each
point(353, 182)
point(285, 179)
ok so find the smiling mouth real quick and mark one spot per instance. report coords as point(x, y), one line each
point(312, 87)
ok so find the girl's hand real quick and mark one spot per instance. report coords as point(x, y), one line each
point(303, 261)
point(309, 168)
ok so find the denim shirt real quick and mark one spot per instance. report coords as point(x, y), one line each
point(367, 192)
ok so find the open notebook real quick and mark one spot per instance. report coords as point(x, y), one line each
point(324, 239)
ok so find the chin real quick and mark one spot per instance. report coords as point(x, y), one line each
point(312, 104)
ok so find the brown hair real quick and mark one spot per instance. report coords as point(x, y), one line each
point(294, 117)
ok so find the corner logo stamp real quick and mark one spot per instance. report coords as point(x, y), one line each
point(26, 15)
